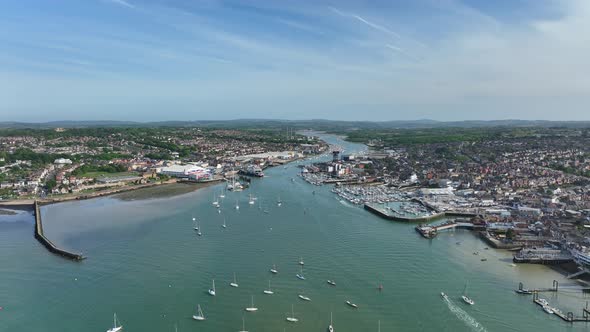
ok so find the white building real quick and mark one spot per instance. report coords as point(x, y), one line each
point(185, 171)
point(62, 161)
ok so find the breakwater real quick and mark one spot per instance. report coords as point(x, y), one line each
point(40, 236)
point(384, 214)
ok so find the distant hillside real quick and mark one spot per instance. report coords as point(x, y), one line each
point(318, 124)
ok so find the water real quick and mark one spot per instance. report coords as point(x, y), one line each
point(146, 263)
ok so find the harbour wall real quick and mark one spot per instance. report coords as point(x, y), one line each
point(40, 236)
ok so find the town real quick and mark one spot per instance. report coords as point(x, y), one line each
point(77, 162)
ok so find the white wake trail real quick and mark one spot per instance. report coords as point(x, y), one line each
point(465, 317)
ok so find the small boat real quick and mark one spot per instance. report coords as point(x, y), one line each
point(212, 290)
point(251, 200)
point(331, 326)
point(301, 262)
point(195, 224)
point(304, 298)
point(199, 315)
point(292, 319)
point(300, 275)
point(268, 291)
point(115, 327)
point(199, 229)
point(224, 225)
point(484, 259)
point(252, 308)
point(243, 325)
point(351, 304)
point(548, 309)
point(237, 205)
point(215, 201)
point(331, 282)
point(279, 202)
point(235, 283)
point(274, 270)
point(524, 291)
point(543, 302)
point(465, 298)
point(444, 296)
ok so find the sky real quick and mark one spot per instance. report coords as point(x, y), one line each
point(152, 60)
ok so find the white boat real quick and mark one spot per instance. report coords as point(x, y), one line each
point(301, 262)
point(235, 283)
point(543, 302)
point(279, 202)
point(198, 228)
point(548, 309)
point(444, 296)
point(115, 327)
point(331, 282)
point(252, 308)
point(465, 298)
point(212, 290)
point(331, 326)
point(304, 298)
point(251, 200)
point(300, 274)
point(352, 304)
point(195, 224)
point(215, 201)
point(268, 291)
point(243, 325)
point(224, 225)
point(292, 319)
point(237, 205)
point(199, 315)
point(274, 270)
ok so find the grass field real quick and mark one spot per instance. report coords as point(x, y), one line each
point(94, 175)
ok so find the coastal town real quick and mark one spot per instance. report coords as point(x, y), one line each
point(528, 194)
point(76, 162)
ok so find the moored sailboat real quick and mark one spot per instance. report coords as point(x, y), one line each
point(115, 327)
point(199, 315)
point(252, 308)
point(235, 283)
point(212, 290)
point(292, 319)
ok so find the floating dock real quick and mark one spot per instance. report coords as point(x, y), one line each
point(40, 236)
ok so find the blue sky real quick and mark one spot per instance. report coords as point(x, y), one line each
point(152, 60)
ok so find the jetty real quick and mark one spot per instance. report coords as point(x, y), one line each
point(40, 236)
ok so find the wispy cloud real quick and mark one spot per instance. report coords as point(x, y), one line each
point(365, 21)
point(123, 3)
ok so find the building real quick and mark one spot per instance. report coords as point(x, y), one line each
point(186, 171)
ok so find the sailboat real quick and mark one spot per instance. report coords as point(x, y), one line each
point(115, 327)
point(224, 225)
point(252, 308)
point(195, 224)
point(212, 290)
point(268, 291)
point(465, 298)
point(235, 283)
point(279, 202)
point(237, 205)
point(250, 200)
point(300, 274)
point(243, 325)
point(199, 315)
point(222, 195)
point(331, 326)
point(292, 319)
point(304, 298)
point(301, 262)
point(198, 228)
point(274, 270)
point(215, 201)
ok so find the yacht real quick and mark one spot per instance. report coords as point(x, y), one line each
point(195, 224)
point(235, 283)
point(292, 319)
point(199, 315)
point(237, 205)
point(279, 202)
point(548, 309)
point(331, 282)
point(331, 326)
point(274, 269)
point(352, 304)
point(212, 290)
point(224, 225)
point(198, 228)
point(252, 308)
point(243, 325)
point(465, 298)
point(268, 291)
point(301, 262)
point(115, 327)
point(304, 298)
point(251, 200)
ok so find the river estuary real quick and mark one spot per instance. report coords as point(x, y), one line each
point(146, 263)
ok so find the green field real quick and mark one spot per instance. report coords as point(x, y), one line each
point(96, 175)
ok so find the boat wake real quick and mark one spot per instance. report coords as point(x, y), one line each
point(465, 317)
point(345, 203)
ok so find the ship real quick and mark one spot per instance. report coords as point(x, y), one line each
point(252, 170)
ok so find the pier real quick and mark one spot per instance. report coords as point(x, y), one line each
point(40, 236)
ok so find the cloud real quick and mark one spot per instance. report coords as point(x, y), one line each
point(123, 3)
point(365, 21)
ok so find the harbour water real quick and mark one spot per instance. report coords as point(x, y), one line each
point(146, 263)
